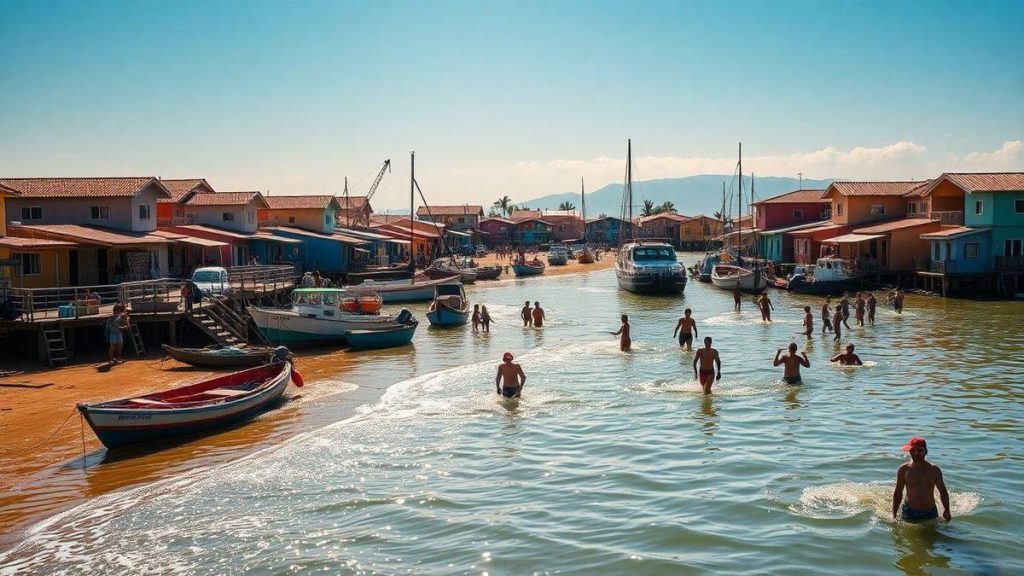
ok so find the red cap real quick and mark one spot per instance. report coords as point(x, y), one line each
point(507, 357)
point(915, 442)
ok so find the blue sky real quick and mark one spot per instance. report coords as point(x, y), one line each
point(518, 98)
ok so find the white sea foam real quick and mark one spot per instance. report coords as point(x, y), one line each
point(848, 499)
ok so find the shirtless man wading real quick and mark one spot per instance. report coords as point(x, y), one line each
point(793, 362)
point(847, 358)
point(920, 478)
point(687, 330)
point(527, 315)
point(709, 360)
point(510, 378)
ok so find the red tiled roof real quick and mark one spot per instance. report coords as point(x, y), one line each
point(541, 220)
point(87, 234)
point(797, 196)
point(668, 215)
point(986, 181)
point(894, 225)
point(464, 210)
point(823, 228)
point(181, 188)
point(213, 230)
point(953, 232)
point(872, 188)
point(8, 191)
point(353, 202)
point(33, 243)
point(300, 202)
point(497, 218)
point(225, 199)
point(81, 187)
point(381, 219)
point(524, 214)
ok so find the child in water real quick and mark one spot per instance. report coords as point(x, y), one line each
point(624, 341)
point(476, 317)
point(485, 318)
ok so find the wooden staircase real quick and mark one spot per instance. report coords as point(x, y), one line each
point(55, 347)
point(218, 321)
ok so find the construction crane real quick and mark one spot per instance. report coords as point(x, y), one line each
point(369, 194)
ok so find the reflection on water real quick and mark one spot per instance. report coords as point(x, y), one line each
point(611, 463)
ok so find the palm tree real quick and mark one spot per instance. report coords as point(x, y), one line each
point(504, 205)
point(666, 206)
point(648, 208)
point(566, 206)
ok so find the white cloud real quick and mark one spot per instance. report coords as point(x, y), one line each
point(1008, 158)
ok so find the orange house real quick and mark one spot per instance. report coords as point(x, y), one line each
point(860, 202)
point(171, 211)
point(891, 246)
point(700, 229)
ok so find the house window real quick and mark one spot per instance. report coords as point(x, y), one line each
point(912, 208)
point(99, 212)
point(798, 214)
point(291, 219)
point(32, 213)
point(979, 207)
point(227, 217)
point(144, 212)
point(839, 208)
point(1012, 247)
point(327, 219)
point(462, 220)
point(251, 216)
point(825, 213)
point(971, 250)
point(1018, 206)
point(29, 264)
point(878, 209)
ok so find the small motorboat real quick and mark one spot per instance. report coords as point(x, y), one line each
point(450, 306)
point(438, 271)
point(586, 256)
point(649, 268)
point(531, 268)
point(384, 337)
point(322, 315)
point(829, 276)
point(409, 290)
point(729, 277)
point(557, 256)
point(218, 356)
point(187, 409)
point(487, 272)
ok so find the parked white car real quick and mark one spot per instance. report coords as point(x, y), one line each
point(211, 280)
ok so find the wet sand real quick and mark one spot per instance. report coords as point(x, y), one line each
point(572, 267)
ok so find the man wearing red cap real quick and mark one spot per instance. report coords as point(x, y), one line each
point(920, 478)
point(510, 379)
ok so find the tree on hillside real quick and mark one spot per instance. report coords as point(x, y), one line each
point(567, 206)
point(504, 204)
point(666, 206)
point(648, 208)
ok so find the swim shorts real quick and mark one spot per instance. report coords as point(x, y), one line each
point(792, 380)
point(685, 338)
point(509, 392)
point(707, 376)
point(912, 515)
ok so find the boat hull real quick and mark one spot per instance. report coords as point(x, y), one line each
point(524, 270)
point(202, 357)
point(120, 426)
point(288, 327)
point(377, 339)
point(732, 277)
point(585, 257)
point(448, 317)
point(827, 288)
point(405, 290)
point(651, 283)
point(558, 259)
point(487, 272)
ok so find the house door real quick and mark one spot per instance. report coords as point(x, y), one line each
point(1012, 247)
point(103, 276)
point(72, 267)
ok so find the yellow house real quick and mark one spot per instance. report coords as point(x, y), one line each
point(700, 229)
point(316, 213)
point(34, 262)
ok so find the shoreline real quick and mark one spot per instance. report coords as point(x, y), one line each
point(44, 437)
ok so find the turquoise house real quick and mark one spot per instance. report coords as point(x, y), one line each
point(607, 229)
point(992, 237)
point(533, 231)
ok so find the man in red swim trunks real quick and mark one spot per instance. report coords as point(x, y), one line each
point(510, 378)
point(920, 478)
point(709, 360)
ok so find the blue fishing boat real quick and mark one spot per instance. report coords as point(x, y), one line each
point(384, 337)
point(532, 268)
point(450, 306)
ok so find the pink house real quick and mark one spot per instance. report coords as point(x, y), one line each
point(496, 230)
point(792, 209)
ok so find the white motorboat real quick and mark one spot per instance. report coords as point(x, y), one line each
point(407, 290)
point(729, 277)
point(320, 315)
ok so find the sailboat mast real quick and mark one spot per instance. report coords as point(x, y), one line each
point(629, 186)
point(412, 196)
point(739, 206)
point(583, 207)
point(347, 205)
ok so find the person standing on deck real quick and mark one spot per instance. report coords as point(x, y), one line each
point(920, 479)
point(527, 315)
point(737, 298)
point(687, 330)
point(792, 362)
point(859, 308)
point(709, 359)
point(625, 342)
point(808, 322)
point(186, 295)
point(872, 304)
point(510, 378)
point(538, 315)
point(765, 304)
point(826, 315)
point(837, 322)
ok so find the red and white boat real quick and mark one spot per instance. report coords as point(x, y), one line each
point(194, 408)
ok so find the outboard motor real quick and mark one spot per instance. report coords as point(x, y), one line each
point(282, 354)
point(405, 317)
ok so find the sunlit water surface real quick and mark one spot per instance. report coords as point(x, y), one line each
point(612, 462)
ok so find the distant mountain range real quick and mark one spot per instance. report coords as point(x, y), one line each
point(692, 195)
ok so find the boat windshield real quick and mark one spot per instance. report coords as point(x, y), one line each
point(317, 298)
point(206, 276)
point(649, 253)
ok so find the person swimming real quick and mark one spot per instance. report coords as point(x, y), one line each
point(848, 358)
point(792, 362)
point(510, 378)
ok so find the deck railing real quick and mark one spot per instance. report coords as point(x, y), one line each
point(1010, 263)
point(952, 217)
point(261, 279)
point(77, 301)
